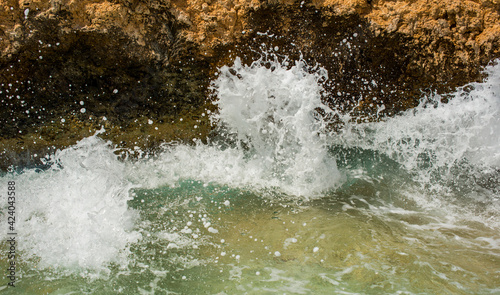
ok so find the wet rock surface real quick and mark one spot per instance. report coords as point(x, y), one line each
point(142, 69)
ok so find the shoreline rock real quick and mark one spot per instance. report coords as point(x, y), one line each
point(69, 67)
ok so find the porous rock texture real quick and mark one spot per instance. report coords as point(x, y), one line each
point(142, 68)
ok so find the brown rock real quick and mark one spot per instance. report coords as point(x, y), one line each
point(134, 61)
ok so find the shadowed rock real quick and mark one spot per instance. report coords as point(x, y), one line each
point(139, 67)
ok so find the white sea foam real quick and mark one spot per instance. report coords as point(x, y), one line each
point(269, 110)
point(272, 109)
point(74, 215)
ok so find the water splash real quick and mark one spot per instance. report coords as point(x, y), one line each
point(74, 215)
point(440, 134)
point(81, 214)
point(273, 109)
point(272, 136)
point(450, 149)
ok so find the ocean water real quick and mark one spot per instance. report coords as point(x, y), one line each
point(276, 203)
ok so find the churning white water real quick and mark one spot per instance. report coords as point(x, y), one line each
point(75, 214)
point(277, 202)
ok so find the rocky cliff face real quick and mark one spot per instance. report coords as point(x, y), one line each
point(142, 69)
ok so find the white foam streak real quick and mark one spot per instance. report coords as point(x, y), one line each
point(210, 164)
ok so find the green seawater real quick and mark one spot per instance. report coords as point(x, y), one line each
point(368, 236)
